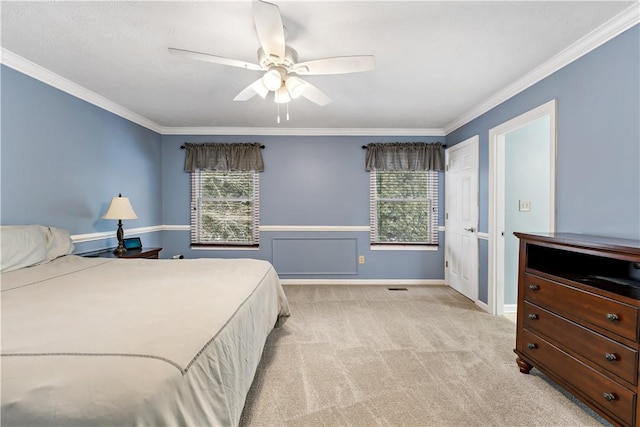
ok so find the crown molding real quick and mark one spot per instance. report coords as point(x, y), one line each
point(612, 28)
point(44, 75)
point(607, 31)
point(300, 131)
point(31, 69)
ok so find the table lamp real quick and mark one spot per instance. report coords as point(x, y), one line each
point(120, 208)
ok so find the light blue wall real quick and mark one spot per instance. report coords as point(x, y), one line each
point(62, 159)
point(308, 181)
point(598, 163)
point(527, 177)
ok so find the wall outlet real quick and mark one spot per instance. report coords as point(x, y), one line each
point(525, 205)
point(361, 259)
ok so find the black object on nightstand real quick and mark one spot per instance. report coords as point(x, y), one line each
point(132, 243)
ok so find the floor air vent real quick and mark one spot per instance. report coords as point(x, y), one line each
point(397, 289)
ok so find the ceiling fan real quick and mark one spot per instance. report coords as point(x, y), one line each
point(279, 62)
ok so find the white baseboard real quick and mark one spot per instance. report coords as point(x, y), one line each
point(379, 282)
point(510, 308)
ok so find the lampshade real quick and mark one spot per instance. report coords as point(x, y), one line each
point(120, 208)
point(272, 79)
point(295, 86)
point(282, 96)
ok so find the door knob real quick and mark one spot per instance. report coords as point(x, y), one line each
point(470, 229)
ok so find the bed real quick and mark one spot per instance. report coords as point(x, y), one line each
point(115, 342)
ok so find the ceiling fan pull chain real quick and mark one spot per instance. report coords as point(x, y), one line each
point(278, 120)
point(287, 111)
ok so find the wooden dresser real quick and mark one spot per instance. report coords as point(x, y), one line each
point(578, 318)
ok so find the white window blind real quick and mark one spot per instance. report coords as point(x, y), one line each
point(224, 208)
point(404, 207)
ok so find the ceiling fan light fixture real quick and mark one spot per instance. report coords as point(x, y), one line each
point(282, 96)
point(272, 80)
point(295, 86)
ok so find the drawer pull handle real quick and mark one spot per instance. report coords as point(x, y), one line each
point(610, 357)
point(533, 316)
point(612, 317)
point(609, 396)
point(533, 287)
point(532, 346)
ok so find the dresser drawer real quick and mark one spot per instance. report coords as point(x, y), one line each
point(599, 350)
point(608, 395)
point(614, 316)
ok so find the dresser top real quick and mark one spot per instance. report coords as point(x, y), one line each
point(630, 246)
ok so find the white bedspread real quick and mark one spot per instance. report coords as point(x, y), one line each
point(91, 341)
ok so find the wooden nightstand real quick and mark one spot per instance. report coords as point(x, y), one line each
point(148, 253)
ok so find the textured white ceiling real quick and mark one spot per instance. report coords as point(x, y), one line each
point(435, 60)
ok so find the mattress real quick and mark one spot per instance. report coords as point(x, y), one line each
point(114, 342)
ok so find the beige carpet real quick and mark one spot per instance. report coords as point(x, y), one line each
point(367, 356)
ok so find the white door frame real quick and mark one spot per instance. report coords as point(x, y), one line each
point(474, 142)
point(496, 195)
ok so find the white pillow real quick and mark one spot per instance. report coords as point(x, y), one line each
point(58, 242)
point(21, 246)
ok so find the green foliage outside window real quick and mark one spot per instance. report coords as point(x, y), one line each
point(226, 221)
point(405, 209)
point(225, 208)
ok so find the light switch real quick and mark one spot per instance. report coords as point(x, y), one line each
point(525, 205)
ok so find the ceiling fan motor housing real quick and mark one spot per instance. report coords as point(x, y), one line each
point(277, 68)
point(269, 61)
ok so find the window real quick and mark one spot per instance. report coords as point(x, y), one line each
point(404, 207)
point(224, 208)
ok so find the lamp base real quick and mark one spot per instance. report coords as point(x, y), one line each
point(120, 250)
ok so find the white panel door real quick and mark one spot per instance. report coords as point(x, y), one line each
point(461, 218)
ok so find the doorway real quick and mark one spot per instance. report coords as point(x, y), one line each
point(522, 159)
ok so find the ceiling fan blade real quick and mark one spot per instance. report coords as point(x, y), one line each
point(269, 28)
point(255, 88)
point(315, 95)
point(215, 59)
point(336, 65)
